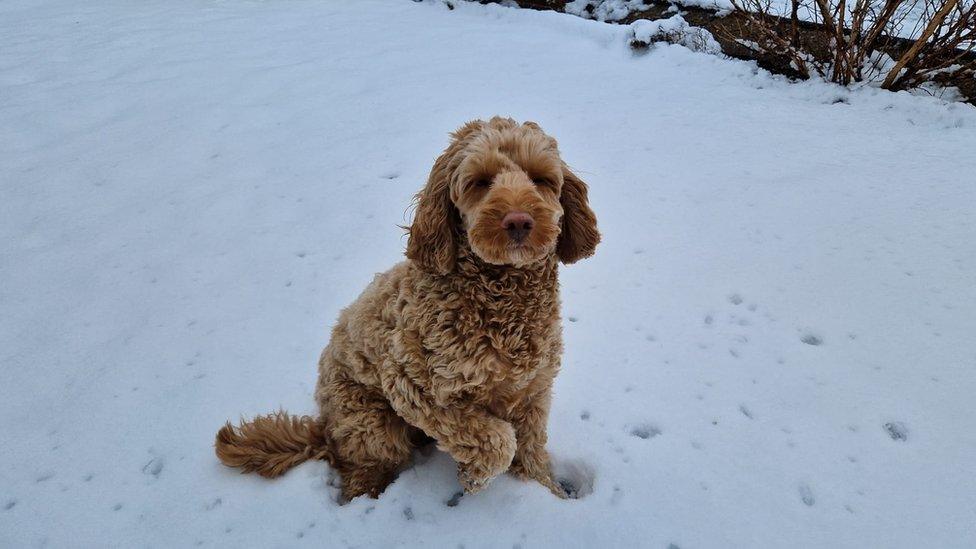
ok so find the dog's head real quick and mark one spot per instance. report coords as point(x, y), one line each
point(504, 186)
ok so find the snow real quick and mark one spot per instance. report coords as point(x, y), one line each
point(616, 10)
point(718, 5)
point(605, 10)
point(773, 346)
point(674, 30)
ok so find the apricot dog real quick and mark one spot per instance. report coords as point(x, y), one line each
point(461, 342)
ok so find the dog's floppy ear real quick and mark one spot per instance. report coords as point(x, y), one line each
point(579, 235)
point(431, 243)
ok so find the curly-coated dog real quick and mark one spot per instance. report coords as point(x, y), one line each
point(460, 343)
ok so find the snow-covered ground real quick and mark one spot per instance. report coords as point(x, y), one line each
point(773, 347)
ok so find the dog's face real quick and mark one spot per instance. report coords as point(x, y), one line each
point(506, 190)
point(505, 186)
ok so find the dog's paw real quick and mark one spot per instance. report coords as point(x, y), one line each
point(471, 480)
point(477, 465)
point(557, 488)
point(474, 476)
point(543, 477)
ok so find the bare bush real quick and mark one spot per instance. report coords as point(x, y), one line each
point(901, 44)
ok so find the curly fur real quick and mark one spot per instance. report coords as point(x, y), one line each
point(460, 343)
point(271, 445)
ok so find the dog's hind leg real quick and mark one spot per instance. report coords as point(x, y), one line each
point(371, 441)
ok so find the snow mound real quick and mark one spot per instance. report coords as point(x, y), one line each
point(673, 30)
point(604, 10)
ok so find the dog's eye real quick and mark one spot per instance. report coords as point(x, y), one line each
point(541, 181)
point(482, 183)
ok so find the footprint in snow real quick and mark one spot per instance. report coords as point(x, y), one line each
point(745, 411)
point(645, 431)
point(735, 299)
point(575, 477)
point(454, 500)
point(9, 505)
point(154, 467)
point(811, 339)
point(806, 495)
point(896, 430)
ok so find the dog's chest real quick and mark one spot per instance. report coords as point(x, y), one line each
point(494, 339)
point(518, 334)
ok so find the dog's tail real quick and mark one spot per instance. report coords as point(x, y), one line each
point(271, 445)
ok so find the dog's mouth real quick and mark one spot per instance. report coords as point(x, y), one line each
point(524, 253)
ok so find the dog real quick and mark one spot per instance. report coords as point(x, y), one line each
point(461, 342)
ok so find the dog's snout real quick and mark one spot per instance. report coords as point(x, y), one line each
point(518, 225)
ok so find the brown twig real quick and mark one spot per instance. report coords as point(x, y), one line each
point(913, 51)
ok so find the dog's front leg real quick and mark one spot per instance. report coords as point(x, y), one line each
point(482, 444)
point(531, 458)
point(483, 449)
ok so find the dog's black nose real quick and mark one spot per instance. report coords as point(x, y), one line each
point(518, 225)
